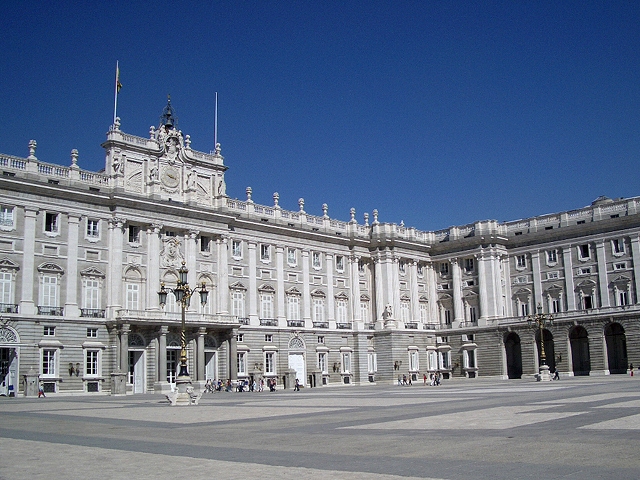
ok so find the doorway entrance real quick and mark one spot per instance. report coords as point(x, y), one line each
point(137, 370)
point(8, 371)
point(549, 349)
point(616, 348)
point(514, 355)
point(579, 340)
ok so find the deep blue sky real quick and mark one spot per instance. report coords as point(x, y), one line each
point(436, 113)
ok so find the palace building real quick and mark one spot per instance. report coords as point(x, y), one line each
point(84, 254)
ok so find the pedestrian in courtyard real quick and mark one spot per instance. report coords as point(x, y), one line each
point(296, 388)
point(556, 374)
point(41, 390)
point(631, 368)
point(424, 379)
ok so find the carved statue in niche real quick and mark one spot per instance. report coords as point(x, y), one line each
point(388, 312)
point(171, 256)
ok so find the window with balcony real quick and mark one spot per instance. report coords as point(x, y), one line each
point(617, 246)
point(269, 363)
point(552, 257)
point(205, 244)
point(468, 265)
point(341, 310)
point(521, 262)
point(49, 365)
point(316, 260)
point(340, 263)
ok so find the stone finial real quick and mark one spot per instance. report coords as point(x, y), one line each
point(375, 216)
point(116, 124)
point(249, 191)
point(152, 131)
point(276, 198)
point(187, 141)
point(366, 219)
point(325, 209)
point(32, 149)
point(402, 223)
point(301, 204)
point(74, 157)
point(352, 212)
point(217, 149)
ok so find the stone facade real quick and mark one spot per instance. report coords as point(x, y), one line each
point(83, 256)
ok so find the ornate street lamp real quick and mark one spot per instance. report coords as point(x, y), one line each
point(539, 321)
point(183, 295)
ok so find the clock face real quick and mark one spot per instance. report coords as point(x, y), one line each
point(170, 177)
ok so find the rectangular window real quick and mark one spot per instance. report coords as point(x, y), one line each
point(321, 339)
point(555, 305)
point(361, 266)
point(584, 271)
point(444, 268)
point(318, 310)
point(470, 356)
point(617, 245)
point(293, 312)
point(322, 362)
point(134, 234)
point(315, 260)
point(49, 331)
point(468, 264)
point(372, 362)
point(552, 256)
point(172, 365)
point(92, 332)
point(93, 230)
point(269, 363)
point(169, 233)
point(346, 362)
point(266, 305)
point(91, 365)
point(521, 261)
point(5, 289)
point(49, 362)
point(364, 311)
point(49, 291)
point(236, 249)
point(240, 337)
point(341, 311)
point(340, 263)
point(587, 302)
point(238, 303)
point(268, 337)
point(402, 266)
point(404, 311)
point(51, 222)
point(423, 312)
point(447, 317)
point(242, 363)
point(420, 269)
point(205, 244)
point(92, 294)
point(623, 298)
point(265, 253)
point(472, 314)
point(524, 309)
point(584, 251)
point(292, 258)
point(133, 295)
point(6, 216)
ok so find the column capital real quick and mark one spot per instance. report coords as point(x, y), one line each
point(164, 329)
point(202, 331)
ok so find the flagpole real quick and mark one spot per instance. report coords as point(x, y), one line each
point(215, 125)
point(115, 95)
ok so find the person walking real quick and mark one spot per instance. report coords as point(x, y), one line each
point(296, 388)
point(631, 368)
point(41, 390)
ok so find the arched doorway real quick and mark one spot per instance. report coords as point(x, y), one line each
point(579, 340)
point(8, 361)
point(616, 348)
point(514, 355)
point(549, 349)
point(297, 358)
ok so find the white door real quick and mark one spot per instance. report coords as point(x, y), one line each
point(296, 362)
point(5, 362)
point(210, 370)
point(137, 370)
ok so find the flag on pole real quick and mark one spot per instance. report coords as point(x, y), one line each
point(118, 84)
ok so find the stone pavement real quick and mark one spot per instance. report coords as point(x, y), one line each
point(582, 428)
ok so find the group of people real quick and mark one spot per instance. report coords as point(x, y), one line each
point(240, 386)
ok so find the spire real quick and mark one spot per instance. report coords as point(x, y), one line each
point(168, 118)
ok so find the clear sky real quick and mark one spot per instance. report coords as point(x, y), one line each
point(436, 113)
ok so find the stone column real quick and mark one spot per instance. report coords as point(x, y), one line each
point(379, 287)
point(162, 354)
point(568, 278)
point(124, 347)
point(71, 303)
point(280, 304)
point(253, 287)
point(482, 288)
point(602, 274)
point(306, 289)
point(331, 316)
point(537, 279)
point(458, 308)
point(223, 276)
point(413, 275)
point(27, 305)
point(394, 276)
point(153, 263)
point(635, 254)
point(433, 293)
point(506, 268)
point(233, 357)
point(497, 299)
point(202, 331)
point(354, 278)
point(114, 272)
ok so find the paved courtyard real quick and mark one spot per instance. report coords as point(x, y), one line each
point(576, 428)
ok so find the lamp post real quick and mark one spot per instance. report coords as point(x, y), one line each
point(539, 321)
point(183, 295)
